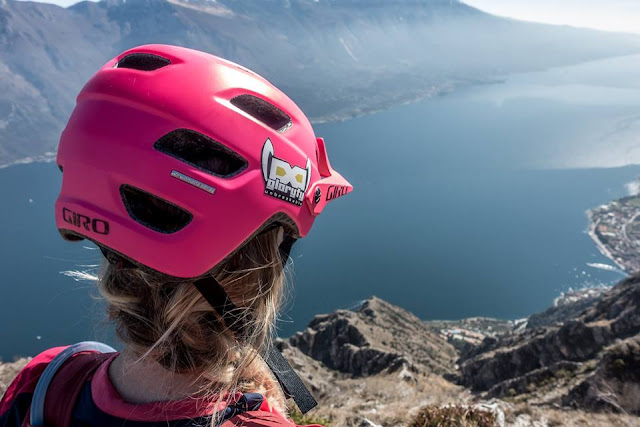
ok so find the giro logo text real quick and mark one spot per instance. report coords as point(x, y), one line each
point(96, 225)
point(335, 191)
point(283, 181)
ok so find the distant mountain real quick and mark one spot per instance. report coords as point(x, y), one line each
point(336, 58)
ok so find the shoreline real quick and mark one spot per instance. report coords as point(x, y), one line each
point(615, 229)
point(601, 247)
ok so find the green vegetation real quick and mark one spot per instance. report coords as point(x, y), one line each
point(618, 365)
point(453, 416)
point(302, 419)
point(563, 373)
point(590, 365)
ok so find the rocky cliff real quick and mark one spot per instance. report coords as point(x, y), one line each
point(615, 384)
point(377, 337)
point(579, 362)
point(372, 364)
point(577, 365)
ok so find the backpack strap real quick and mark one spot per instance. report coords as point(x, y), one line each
point(235, 319)
point(289, 380)
point(64, 390)
point(262, 419)
point(246, 402)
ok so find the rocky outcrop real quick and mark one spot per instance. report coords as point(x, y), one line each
point(377, 337)
point(8, 372)
point(615, 384)
point(573, 357)
point(531, 380)
point(579, 362)
point(573, 341)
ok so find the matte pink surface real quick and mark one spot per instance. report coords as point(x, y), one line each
point(121, 113)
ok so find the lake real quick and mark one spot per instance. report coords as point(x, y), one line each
point(467, 204)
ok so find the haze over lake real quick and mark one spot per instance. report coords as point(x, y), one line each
point(467, 204)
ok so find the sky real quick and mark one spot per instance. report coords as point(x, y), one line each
point(608, 15)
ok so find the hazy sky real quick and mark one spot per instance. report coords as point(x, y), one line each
point(609, 15)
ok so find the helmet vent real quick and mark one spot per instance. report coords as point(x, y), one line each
point(143, 62)
point(202, 152)
point(263, 111)
point(154, 212)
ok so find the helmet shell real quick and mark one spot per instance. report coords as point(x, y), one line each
point(109, 142)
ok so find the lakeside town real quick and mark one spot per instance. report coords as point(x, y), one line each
point(615, 228)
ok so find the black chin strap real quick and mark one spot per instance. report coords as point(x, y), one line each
point(290, 382)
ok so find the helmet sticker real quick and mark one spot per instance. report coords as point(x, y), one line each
point(283, 181)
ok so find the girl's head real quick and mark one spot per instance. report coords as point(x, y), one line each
point(184, 166)
point(166, 319)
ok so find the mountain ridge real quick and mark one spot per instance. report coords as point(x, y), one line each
point(335, 59)
point(577, 367)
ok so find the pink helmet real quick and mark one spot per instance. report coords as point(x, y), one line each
point(174, 158)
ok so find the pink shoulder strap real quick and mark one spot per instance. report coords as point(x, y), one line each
point(261, 419)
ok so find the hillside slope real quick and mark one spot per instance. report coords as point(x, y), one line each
point(581, 368)
point(587, 361)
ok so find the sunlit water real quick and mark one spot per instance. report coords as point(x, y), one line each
point(464, 205)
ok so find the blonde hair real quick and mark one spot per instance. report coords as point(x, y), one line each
point(167, 320)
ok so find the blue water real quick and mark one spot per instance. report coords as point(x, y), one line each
point(464, 205)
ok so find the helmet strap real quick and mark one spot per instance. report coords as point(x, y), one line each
point(114, 258)
point(291, 384)
point(285, 248)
